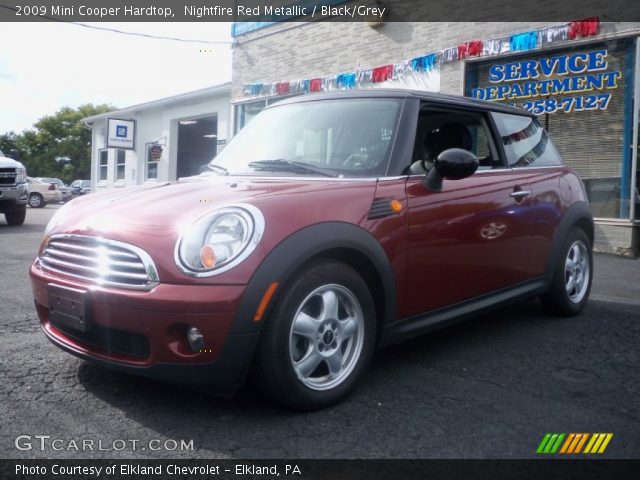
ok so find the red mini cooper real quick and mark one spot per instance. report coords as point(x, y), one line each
point(332, 224)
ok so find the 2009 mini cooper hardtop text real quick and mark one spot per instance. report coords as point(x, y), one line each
point(330, 225)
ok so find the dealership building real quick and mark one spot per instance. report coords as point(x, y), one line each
point(581, 78)
point(161, 140)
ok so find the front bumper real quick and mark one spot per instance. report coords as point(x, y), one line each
point(144, 333)
point(11, 196)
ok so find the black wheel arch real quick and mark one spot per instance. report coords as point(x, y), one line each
point(340, 241)
point(577, 215)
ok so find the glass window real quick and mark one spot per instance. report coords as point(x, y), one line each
point(103, 168)
point(152, 165)
point(439, 130)
point(246, 111)
point(121, 156)
point(525, 142)
point(350, 137)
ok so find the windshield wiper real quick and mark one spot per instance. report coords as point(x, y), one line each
point(282, 165)
point(217, 168)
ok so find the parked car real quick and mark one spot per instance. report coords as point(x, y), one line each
point(331, 224)
point(14, 190)
point(41, 193)
point(64, 189)
point(80, 187)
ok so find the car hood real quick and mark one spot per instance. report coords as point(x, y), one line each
point(152, 217)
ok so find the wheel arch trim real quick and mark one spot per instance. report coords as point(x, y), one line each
point(577, 215)
point(301, 247)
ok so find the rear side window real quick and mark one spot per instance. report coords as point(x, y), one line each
point(525, 142)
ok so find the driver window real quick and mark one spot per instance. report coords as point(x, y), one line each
point(438, 130)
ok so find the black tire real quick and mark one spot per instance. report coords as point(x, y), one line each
point(557, 301)
point(16, 217)
point(273, 371)
point(36, 200)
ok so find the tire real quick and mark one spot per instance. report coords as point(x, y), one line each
point(571, 283)
point(299, 334)
point(36, 200)
point(16, 217)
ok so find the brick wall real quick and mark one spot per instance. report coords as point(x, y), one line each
point(305, 50)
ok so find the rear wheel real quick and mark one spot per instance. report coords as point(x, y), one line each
point(16, 217)
point(572, 278)
point(318, 340)
point(36, 200)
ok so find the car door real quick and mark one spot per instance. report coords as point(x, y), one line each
point(470, 238)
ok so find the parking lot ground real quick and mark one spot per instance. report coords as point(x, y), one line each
point(488, 388)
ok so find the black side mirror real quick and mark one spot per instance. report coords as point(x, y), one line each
point(452, 164)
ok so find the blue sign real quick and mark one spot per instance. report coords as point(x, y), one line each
point(121, 131)
point(544, 82)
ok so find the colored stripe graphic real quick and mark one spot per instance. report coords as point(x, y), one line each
point(572, 443)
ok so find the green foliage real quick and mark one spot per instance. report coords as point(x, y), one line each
point(58, 146)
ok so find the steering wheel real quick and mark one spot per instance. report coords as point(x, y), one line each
point(357, 161)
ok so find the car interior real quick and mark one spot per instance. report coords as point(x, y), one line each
point(441, 130)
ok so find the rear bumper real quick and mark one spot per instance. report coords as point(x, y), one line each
point(52, 196)
point(144, 333)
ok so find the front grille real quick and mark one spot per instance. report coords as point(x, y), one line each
point(110, 340)
point(7, 176)
point(100, 261)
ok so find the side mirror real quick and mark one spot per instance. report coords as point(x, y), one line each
point(452, 164)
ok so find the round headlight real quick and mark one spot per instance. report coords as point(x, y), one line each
point(219, 240)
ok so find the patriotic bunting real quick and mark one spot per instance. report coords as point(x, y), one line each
point(410, 71)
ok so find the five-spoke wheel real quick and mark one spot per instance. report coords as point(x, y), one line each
point(318, 339)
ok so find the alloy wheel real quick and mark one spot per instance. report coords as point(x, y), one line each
point(326, 337)
point(577, 271)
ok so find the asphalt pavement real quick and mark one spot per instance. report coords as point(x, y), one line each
point(488, 388)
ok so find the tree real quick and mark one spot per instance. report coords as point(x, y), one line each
point(59, 145)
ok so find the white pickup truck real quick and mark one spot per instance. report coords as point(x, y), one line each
point(14, 190)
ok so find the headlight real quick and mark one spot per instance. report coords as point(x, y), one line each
point(219, 241)
point(21, 175)
point(60, 214)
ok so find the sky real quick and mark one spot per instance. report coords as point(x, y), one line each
point(45, 66)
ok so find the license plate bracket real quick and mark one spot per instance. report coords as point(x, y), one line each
point(69, 307)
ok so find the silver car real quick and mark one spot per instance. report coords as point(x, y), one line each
point(64, 189)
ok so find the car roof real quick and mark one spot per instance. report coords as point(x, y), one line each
point(436, 98)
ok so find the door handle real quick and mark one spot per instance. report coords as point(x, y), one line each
point(520, 194)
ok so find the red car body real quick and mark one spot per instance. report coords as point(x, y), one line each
point(433, 258)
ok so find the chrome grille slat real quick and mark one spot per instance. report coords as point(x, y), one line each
point(100, 261)
point(55, 252)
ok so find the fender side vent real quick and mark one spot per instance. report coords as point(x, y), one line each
point(380, 208)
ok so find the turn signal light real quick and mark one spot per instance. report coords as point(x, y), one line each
point(208, 256)
point(396, 206)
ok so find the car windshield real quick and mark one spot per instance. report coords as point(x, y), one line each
point(318, 138)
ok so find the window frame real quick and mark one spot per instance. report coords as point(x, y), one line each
point(147, 161)
point(105, 166)
point(117, 165)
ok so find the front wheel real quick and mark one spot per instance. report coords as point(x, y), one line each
point(318, 340)
point(16, 217)
point(572, 278)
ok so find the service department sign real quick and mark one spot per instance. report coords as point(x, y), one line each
point(121, 133)
point(575, 82)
